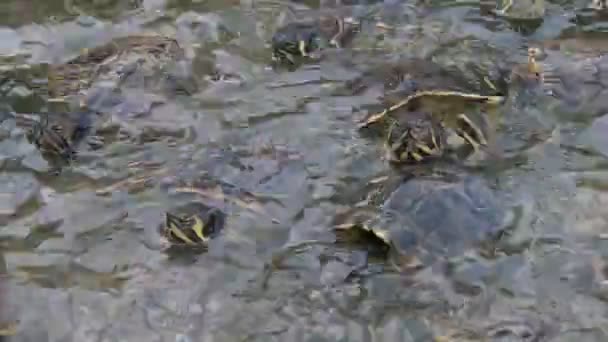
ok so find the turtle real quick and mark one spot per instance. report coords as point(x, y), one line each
point(570, 72)
point(88, 85)
point(192, 225)
point(306, 37)
point(426, 107)
point(51, 140)
point(114, 61)
point(423, 219)
point(56, 135)
point(521, 9)
point(118, 62)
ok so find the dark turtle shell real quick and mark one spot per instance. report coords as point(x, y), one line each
point(432, 218)
point(303, 38)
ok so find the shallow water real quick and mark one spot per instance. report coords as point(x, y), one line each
point(80, 252)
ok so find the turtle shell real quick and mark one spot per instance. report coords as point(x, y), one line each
point(415, 84)
point(434, 218)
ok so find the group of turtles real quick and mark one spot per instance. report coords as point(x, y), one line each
point(79, 92)
point(428, 112)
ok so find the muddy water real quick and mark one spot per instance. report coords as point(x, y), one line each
point(80, 251)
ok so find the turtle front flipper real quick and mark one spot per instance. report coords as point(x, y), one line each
point(470, 132)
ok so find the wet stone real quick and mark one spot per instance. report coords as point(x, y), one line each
point(515, 277)
point(579, 335)
point(203, 28)
point(16, 190)
point(22, 99)
point(9, 40)
point(594, 101)
point(335, 272)
point(597, 134)
point(404, 330)
point(468, 278)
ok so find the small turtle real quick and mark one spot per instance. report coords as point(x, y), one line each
point(50, 140)
point(421, 96)
point(195, 227)
point(423, 219)
point(303, 38)
point(521, 9)
point(571, 70)
point(114, 61)
point(530, 73)
point(56, 134)
point(90, 83)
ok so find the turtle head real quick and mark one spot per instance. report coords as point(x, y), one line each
point(294, 40)
point(415, 139)
point(526, 81)
point(195, 229)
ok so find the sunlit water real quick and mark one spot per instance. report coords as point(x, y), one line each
point(80, 251)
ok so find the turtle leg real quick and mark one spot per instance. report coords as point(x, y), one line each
point(389, 135)
point(506, 7)
point(335, 40)
point(399, 142)
point(199, 227)
point(470, 140)
point(471, 132)
point(302, 48)
point(289, 57)
point(432, 149)
point(426, 149)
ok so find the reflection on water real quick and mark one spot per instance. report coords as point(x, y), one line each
point(278, 151)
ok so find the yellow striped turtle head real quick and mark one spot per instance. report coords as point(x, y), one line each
point(193, 230)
